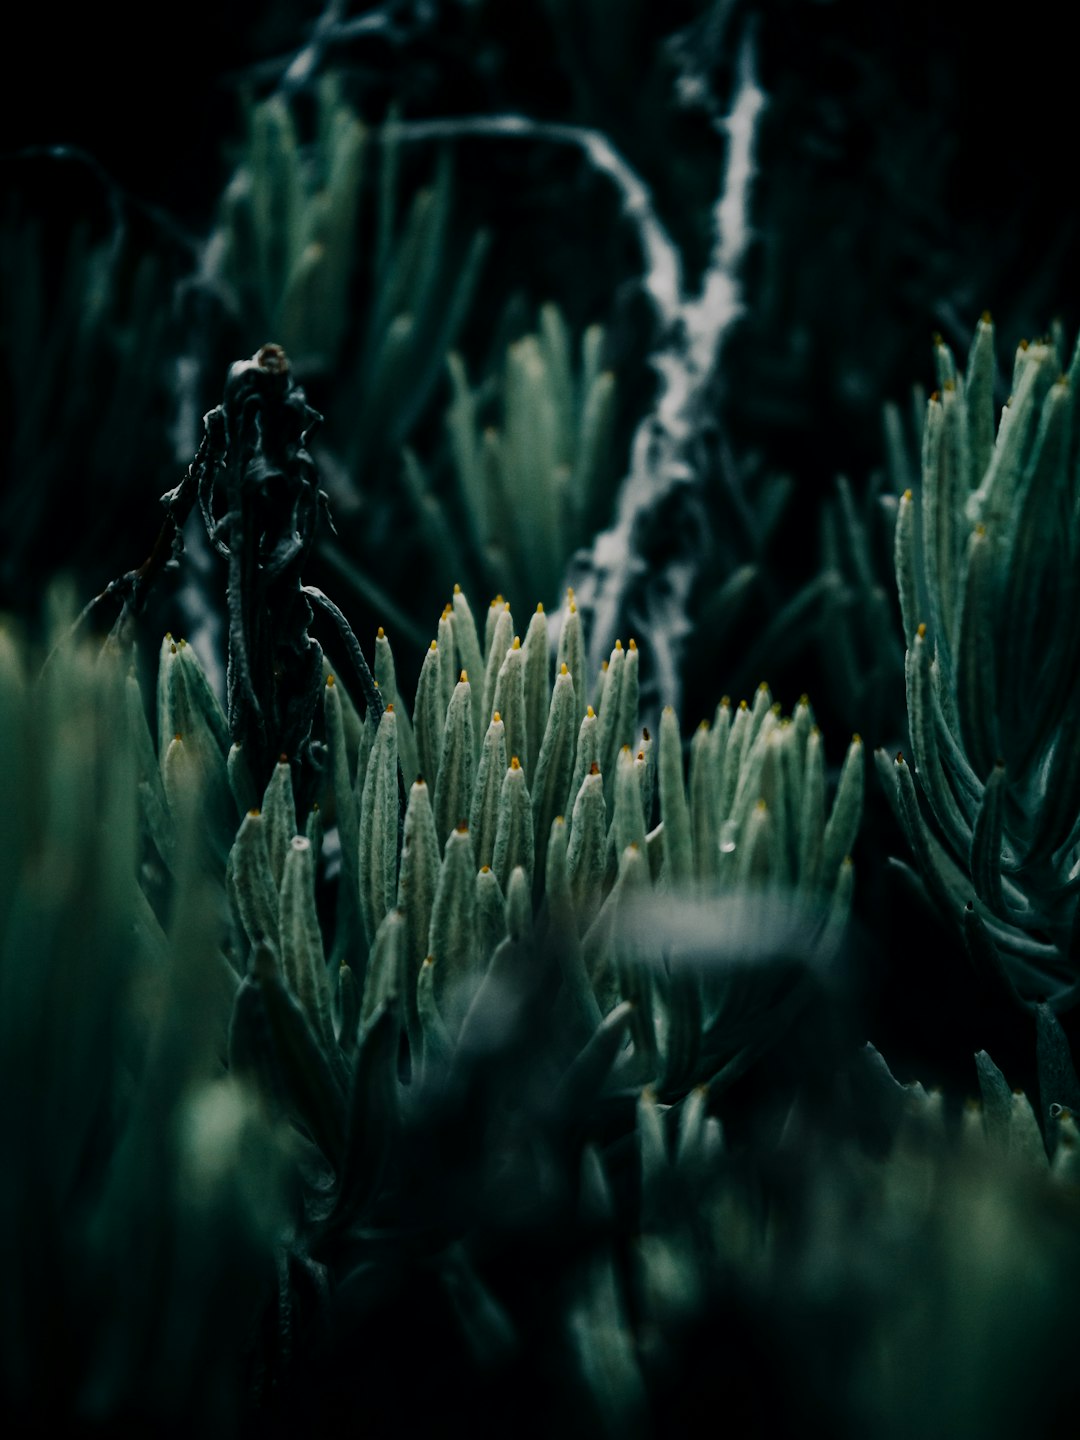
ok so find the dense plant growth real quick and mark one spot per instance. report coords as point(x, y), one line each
point(408, 1017)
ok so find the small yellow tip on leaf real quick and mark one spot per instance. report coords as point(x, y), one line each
point(380, 634)
point(590, 713)
point(517, 643)
point(539, 607)
point(515, 763)
point(463, 678)
point(921, 631)
point(329, 679)
point(496, 719)
point(563, 670)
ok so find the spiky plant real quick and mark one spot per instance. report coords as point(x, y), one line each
point(526, 796)
point(988, 570)
point(538, 482)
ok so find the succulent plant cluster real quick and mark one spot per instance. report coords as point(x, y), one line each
point(988, 574)
point(543, 820)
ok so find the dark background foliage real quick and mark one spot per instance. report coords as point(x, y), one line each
point(913, 171)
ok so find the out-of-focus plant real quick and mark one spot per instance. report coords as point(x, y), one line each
point(861, 656)
point(83, 365)
point(536, 482)
point(988, 571)
point(292, 246)
point(140, 1188)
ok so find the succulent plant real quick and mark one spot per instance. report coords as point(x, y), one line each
point(988, 572)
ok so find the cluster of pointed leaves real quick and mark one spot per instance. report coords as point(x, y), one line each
point(534, 820)
point(988, 570)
